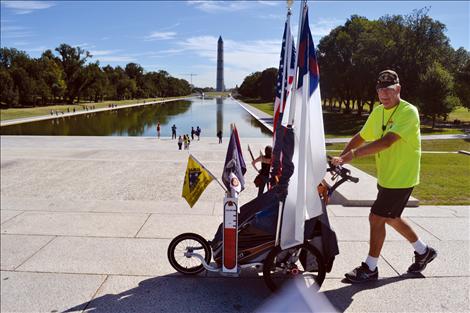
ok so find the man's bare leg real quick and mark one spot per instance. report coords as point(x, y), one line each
point(377, 234)
point(403, 228)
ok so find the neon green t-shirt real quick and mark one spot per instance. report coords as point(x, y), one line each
point(397, 166)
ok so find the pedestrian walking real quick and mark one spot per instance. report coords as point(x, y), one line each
point(180, 142)
point(393, 133)
point(192, 133)
point(158, 130)
point(219, 135)
point(198, 133)
point(173, 132)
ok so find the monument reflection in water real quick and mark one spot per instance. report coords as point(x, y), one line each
point(209, 114)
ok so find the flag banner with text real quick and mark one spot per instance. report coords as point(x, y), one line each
point(196, 179)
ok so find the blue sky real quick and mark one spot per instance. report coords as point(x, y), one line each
point(181, 36)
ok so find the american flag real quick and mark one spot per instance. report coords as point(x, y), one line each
point(285, 78)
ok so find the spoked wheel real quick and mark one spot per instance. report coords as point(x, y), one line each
point(302, 261)
point(188, 243)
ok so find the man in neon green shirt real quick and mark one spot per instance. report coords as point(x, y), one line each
point(393, 133)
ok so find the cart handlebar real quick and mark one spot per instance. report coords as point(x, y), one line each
point(339, 171)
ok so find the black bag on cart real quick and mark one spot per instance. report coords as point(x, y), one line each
point(257, 222)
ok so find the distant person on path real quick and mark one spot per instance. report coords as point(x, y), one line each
point(158, 130)
point(393, 130)
point(198, 133)
point(219, 134)
point(173, 132)
point(192, 133)
point(262, 178)
point(180, 142)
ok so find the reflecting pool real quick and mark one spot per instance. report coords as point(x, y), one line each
point(209, 114)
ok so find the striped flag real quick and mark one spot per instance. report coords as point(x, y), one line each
point(285, 75)
point(309, 157)
point(285, 78)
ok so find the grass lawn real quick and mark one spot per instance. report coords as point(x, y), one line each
point(266, 107)
point(14, 113)
point(346, 125)
point(444, 177)
point(460, 113)
point(216, 93)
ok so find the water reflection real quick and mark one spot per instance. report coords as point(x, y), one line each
point(220, 116)
point(141, 121)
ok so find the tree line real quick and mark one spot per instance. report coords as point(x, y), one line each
point(67, 76)
point(433, 75)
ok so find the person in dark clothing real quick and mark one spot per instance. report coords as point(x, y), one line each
point(192, 133)
point(173, 132)
point(219, 135)
point(198, 133)
point(263, 176)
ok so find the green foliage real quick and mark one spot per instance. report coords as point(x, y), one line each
point(259, 85)
point(436, 89)
point(69, 77)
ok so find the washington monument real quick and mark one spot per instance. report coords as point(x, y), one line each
point(220, 65)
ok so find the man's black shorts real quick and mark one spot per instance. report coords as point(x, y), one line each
point(391, 202)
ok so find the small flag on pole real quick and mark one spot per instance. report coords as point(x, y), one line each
point(234, 163)
point(196, 179)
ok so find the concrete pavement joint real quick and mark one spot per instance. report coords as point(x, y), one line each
point(96, 292)
point(35, 253)
point(390, 264)
point(416, 223)
point(135, 236)
point(21, 212)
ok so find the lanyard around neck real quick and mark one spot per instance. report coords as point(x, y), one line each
point(384, 126)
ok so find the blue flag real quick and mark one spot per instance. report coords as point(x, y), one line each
point(234, 162)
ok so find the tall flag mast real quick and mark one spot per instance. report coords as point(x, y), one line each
point(309, 156)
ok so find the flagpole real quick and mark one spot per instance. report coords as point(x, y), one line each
point(212, 175)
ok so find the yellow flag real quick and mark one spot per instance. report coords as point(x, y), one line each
point(196, 179)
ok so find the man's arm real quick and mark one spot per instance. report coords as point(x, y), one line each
point(355, 142)
point(371, 148)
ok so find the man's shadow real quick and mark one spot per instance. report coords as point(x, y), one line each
point(342, 298)
point(175, 293)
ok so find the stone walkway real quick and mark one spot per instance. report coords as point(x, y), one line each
point(86, 221)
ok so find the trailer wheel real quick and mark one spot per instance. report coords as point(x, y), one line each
point(302, 261)
point(188, 242)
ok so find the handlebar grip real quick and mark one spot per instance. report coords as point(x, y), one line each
point(353, 179)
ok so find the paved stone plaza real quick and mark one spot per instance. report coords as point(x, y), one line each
point(86, 221)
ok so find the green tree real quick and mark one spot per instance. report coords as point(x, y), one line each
point(72, 60)
point(436, 92)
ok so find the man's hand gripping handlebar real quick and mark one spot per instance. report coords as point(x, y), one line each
point(339, 171)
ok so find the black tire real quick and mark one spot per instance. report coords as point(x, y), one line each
point(276, 276)
point(188, 265)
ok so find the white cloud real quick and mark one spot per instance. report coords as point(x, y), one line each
point(270, 3)
point(101, 52)
point(219, 6)
point(160, 36)
point(116, 58)
point(322, 27)
point(13, 31)
point(25, 7)
point(240, 58)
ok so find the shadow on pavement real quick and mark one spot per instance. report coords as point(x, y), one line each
point(174, 293)
point(342, 298)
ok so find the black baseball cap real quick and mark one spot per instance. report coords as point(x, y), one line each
point(387, 78)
